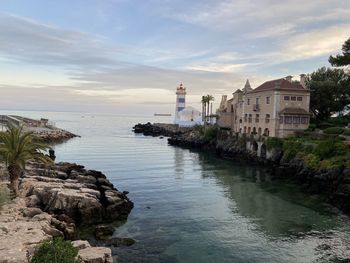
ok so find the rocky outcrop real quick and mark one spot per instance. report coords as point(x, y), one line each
point(54, 202)
point(22, 229)
point(159, 129)
point(68, 190)
point(54, 135)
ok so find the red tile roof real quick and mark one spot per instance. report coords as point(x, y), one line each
point(279, 84)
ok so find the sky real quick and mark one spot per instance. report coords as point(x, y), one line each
point(128, 56)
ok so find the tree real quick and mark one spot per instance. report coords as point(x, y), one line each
point(330, 89)
point(209, 98)
point(342, 59)
point(204, 105)
point(18, 147)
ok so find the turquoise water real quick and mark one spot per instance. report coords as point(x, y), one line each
point(194, 207)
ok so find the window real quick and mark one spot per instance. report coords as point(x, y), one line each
point(257, 118)
point(248, 101)
point(250, 118)
point(288, 119)
point(293, 98)
point(182, 100)
point(180, 108)
point(267, 119)
point(299, 98)
point(281, 119)
point(245, 117)
point(267, 100)
point(296, 120)
point(304, 120)
point(286, 97)
point(257, 101)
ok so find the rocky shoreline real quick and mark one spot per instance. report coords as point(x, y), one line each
point(54, 135)
point(332, 184)
point(56, 202)
point(159, 129)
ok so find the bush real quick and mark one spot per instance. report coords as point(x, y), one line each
point(56, 251)
point(274, 143)
point(334, 162)
point(346, 132)
point(312, 127)
point(330, 148)
point(312, 161)
point(334, 130)
point(210, 133)
point(291, 147)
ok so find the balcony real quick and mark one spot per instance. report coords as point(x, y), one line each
point(256, 107)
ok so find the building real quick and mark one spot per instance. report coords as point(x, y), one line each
point(276, 108)
point(185, 116)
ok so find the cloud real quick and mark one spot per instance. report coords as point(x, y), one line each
point(217, 67)
point(321, 42)
point(27, 40)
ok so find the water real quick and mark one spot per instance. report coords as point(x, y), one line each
point(194, 207)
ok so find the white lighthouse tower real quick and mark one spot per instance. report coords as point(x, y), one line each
point(180, 101)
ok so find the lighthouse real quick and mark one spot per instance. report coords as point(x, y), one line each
point(180, 101)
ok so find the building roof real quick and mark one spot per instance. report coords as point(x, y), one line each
point(298, 111)
point(237, 91)
point(247, 87)
point(280, 84)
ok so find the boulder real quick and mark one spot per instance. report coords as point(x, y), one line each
point(96, 255)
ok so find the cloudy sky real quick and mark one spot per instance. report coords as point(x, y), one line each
point(128, 56)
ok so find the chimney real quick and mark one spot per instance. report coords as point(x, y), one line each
point(303, 80)
point(289, 78)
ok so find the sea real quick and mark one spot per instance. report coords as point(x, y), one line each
point(192, 206)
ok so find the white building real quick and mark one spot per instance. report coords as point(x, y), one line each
point(185, 116)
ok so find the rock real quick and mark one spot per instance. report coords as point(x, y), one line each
point(81, 244)
point(103, 232)
point(31, 211)
point(96, 255)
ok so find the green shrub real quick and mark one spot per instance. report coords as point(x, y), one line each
point(274, 143)
point(334, 130)
point(312, 127)
point(330, 148)
point(210, 133)
point(346, 132)
point(291, 147)
point(199, 130)
point(56, 251)
point(325, 125)
point(334, 162)
point(312, 161)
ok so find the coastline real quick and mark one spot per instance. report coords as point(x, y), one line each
point(332, 184)
point(56, 202)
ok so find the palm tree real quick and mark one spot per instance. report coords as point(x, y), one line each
point(204, 105)
point(18, 147)
point(209, 98)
